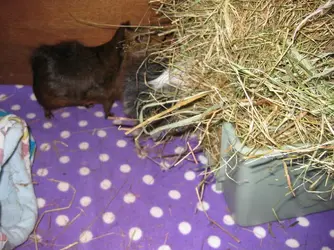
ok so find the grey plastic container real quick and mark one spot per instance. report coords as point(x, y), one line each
point(260, 186)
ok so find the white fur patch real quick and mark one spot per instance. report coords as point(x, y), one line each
point(161, 81)
point(170, 77)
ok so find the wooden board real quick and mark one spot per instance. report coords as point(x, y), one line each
point(26, 24)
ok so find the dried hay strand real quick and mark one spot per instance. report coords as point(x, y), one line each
point(265, 66)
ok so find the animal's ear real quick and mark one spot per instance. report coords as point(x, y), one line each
point(128, 31)
point(127, 23)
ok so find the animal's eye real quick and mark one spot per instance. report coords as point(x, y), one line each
point(138, 39)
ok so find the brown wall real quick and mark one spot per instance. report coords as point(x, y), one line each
point(26, 24)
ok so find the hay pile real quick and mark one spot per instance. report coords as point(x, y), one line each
point(265, 66)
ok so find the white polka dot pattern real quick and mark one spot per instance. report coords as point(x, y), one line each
point(40, 202)
point(179, 150)
point(62, 220)
point(32, 97)
point(63, 186)
point(16, 107)
point(84, 171)
point(31, 115)
point(292, 243)
point(156, 212)
point(64, 159)
point(184, 228)
point(174, 194)
point(101, 133)
point(190, 175)
point(331, 233)
point(99, 114)
point(108, 217)
point(214, 241)
point(148, 179)
point(85, 201)
point(164, 247)
point(65, 134)
point(214, 189)
point(45, 147)
point(125, 168)
point(129, 198)
point(65, 114)
point(86, 236)
point(117, 122)
point(135, 233)
point(84, 146)
point(3, 97)
point(228, 220)
point(326, 248)
point(302, 221)
point(83, 123)
point(165, 165)
point(203, 206)
point(104, 157)
point(259, 232)
point(125, 201)
point(47, 125)
point(203, 159)
point(121, 143)
point(105, 184)
point(42, 172)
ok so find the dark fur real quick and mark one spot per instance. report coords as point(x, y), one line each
point(136, 71)
point(135, 79)
point(136, 92)
point(72, 74)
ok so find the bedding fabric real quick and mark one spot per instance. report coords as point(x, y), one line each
point(18, 206)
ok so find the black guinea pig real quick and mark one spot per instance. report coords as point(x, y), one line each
point(143, 75)
point(72, 74)
point(139, 69)
point(137, 84)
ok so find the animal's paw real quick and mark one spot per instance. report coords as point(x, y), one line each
point(48, 114)
point(88, 106)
